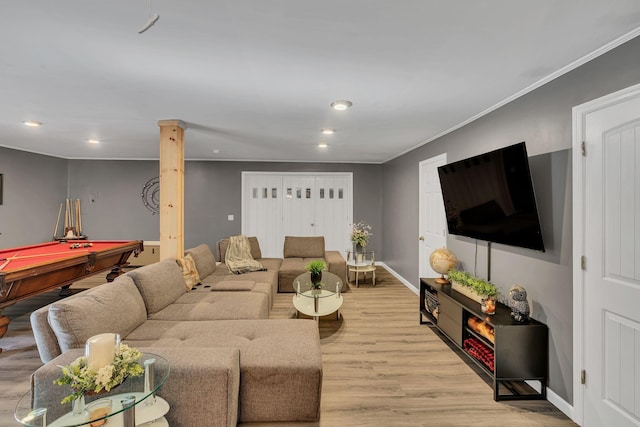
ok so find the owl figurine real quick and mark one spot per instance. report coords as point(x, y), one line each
point(518, 303)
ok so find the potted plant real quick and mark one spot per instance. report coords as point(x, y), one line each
point(315, 269)
point(476, 288)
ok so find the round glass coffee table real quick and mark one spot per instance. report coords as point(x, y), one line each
point(39, 408)
point(318, 302)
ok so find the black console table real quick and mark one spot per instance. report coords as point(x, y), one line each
point(513, 354)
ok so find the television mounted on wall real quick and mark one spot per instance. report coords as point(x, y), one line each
point(490, 197)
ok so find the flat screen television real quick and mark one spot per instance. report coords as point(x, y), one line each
point(490, 197)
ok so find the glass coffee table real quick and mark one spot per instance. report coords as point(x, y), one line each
point(39, 408)
point(318, 302)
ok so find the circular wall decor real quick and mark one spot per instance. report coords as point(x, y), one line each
point(151, 195)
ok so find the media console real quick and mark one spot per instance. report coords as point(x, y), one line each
point(513, 354)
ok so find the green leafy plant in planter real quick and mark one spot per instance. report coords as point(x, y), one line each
point(477, 284)
point(315, 269)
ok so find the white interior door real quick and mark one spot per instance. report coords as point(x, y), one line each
point(278, 204)
point(262, 211)
point(611, 278)
point(298, 210)
point(432, 225)
point(333, 211)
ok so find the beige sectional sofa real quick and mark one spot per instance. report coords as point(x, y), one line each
point(217, 338)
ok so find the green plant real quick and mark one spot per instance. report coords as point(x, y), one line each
point(456, 275)
point(316, 266)
point(477, 284)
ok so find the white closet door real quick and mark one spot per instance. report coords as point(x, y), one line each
point(262, 211)
point(298, 209)
point(333, 211)
point(279, 204)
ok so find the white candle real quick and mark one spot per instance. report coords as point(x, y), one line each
point(100, 350)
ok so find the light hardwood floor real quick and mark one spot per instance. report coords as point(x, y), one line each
point(381, 368)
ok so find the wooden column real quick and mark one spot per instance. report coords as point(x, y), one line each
point(171, 188)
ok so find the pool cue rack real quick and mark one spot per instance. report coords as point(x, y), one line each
point(72, 223)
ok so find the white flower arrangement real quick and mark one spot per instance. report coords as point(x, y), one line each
point(360, 233)
point(82, 380)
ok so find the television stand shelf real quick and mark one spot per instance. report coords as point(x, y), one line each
point(513, 354)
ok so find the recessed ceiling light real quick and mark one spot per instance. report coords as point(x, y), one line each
point(32, 123)
point(323, 145)
point(328, 131)
point(341, 105)
point(93, 141)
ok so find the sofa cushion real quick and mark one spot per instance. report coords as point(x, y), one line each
point(112, 307)
point(303, 247)
point(254, 246)
point(216, 306)
point(204, 259)
point(267, 288)
point(160, 284)
point(189, 271)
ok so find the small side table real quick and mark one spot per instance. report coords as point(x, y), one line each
point(363, 262)
point(318, 302)
point(37, 407)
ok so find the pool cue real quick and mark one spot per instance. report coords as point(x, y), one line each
point(55, 230)
point(8, 260)
point(38, 255)
point(66, 217)
point(79, 219)
point(73, 216)
point(65, 220)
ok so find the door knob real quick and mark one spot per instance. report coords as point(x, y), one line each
point(421, 238)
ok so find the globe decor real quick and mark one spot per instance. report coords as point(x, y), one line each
point(442, 261)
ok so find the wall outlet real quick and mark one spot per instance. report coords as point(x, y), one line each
point(93, 197)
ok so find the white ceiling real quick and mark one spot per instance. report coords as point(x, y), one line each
point(254, 78)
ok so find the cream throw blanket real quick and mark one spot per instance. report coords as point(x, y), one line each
point(238, 257)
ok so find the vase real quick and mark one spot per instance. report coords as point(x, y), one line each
point(316, 278)
point(78, 406)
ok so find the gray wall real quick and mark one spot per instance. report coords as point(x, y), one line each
point(212, 191)
point(118, 212)
point(542, 118)
point(34, 187)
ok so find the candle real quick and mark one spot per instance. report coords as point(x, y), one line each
point(100, 350)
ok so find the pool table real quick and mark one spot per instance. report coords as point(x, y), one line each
point(30, 270)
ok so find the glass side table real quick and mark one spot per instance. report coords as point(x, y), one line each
point(361, 262)
point(37, 408)
point(318, 302)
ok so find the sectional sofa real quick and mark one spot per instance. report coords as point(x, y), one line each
point(298, 251)
point(221, 346)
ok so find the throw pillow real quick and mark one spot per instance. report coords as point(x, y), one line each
point(189, 271)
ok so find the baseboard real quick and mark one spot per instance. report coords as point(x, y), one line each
point(400, 278)
point(560, 403)
point(552, 397)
